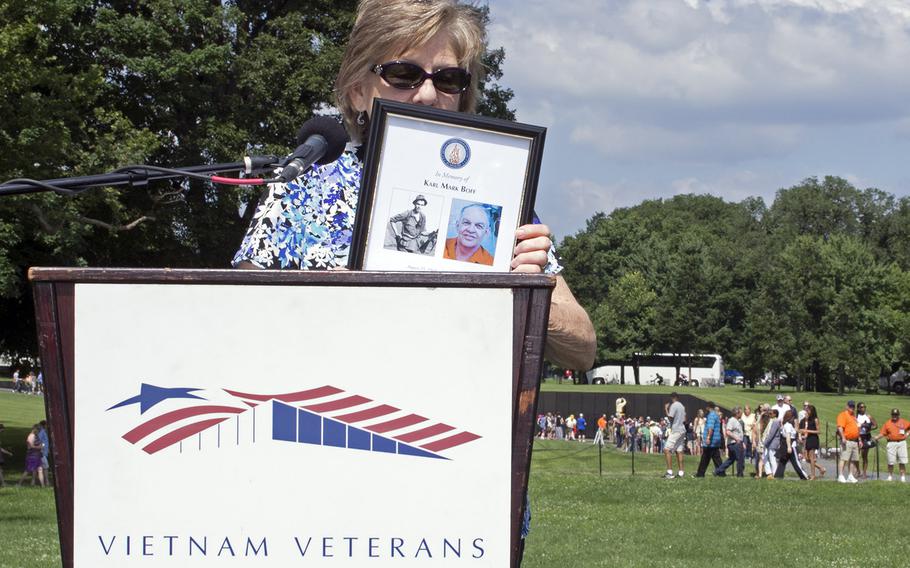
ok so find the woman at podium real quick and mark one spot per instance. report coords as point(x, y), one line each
point(429, 53)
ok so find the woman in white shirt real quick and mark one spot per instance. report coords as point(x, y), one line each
point(786, 452)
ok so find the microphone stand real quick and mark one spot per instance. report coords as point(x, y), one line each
point(137, 176)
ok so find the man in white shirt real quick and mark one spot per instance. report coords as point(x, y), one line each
point(676, 439)
point(781, 406)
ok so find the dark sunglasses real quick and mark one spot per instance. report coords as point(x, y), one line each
point(404, 75)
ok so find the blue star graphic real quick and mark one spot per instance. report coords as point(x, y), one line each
point(150, 395)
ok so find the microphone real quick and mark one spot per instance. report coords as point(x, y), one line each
point(322, 140)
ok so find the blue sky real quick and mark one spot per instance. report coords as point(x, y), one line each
point(648, 99)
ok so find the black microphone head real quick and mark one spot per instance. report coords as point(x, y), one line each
point(329, 128)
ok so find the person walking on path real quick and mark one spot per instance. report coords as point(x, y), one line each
point(771, 442)
point(809, 429)
point(736, 452)
point(698, 426)
point(711, 441)
point(645, 430)
point(848, 432)
point(676, 441)
point(866, 425)
point(582, 426)
point(601, 428)
point(760, 424)
point(787, 451)
point(896, 430)
point(45, 441)
point(781, 407)
point(748, 421)
point(33, 467)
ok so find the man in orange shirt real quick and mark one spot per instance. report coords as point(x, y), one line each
point(601, 428)
point(848, 431)
point(896, 431)
point(473, 226)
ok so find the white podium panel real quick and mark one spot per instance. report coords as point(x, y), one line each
point(219, 425)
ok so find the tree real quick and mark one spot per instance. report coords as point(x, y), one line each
point(810, 285)
point(826, 309)
point(698, 254)
point(87, 86)
point(624, 321)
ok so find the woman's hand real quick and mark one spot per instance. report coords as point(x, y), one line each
point(530, 254)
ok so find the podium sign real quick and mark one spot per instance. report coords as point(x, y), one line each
point(331, 419)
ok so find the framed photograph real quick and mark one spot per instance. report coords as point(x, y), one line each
point(444, 191)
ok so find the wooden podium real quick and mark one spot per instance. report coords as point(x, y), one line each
point(202, 417)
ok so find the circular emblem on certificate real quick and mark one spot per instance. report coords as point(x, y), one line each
point(455, 153)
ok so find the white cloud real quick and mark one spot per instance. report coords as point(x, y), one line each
point(580, 198)
point(713, 143)
point(586, 196)
point(732, 186)
point(797, 62)
point(902, 128)
point(647, 98)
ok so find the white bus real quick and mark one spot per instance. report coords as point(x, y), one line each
point(706, 370)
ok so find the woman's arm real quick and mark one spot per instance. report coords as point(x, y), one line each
point(571, 342)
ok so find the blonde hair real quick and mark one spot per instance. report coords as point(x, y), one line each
point(385, 27)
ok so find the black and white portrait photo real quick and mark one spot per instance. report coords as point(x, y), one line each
point(413, 222)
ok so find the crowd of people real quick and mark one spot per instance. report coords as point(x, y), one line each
point(769, 439)
point(37, 450)
point(28, 384)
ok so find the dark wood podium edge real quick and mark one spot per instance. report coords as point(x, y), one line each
point(54, 303)
point(532, 310)
point(285, 277)
point(54, 295)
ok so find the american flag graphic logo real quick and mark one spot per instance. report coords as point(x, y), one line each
point(325, 416)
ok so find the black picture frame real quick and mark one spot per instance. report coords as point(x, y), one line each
point(367, 216)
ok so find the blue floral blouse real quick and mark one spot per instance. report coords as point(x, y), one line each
point(307, 224)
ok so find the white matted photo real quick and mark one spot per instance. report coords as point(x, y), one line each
point(489, 166)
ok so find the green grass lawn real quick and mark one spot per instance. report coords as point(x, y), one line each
point(581, 518)
point(18, 412)
point(28, 515)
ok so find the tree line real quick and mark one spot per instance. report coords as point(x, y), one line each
point(87, 86)
point(814, 286)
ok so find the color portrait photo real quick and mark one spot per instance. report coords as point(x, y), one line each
point(473, 230)
point(413, 224)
